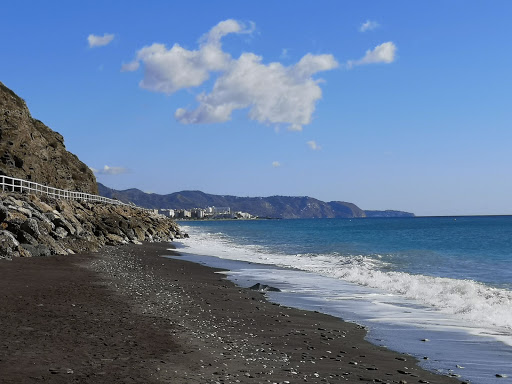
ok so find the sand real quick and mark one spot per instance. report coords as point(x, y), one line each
point(128, 315)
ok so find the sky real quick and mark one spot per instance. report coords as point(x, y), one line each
point(400, 105)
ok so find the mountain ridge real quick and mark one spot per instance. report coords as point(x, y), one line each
point(282, 207)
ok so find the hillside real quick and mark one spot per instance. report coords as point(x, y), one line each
point(284, 207)
point(30, 150)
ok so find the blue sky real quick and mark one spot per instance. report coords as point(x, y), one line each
point(387, 104)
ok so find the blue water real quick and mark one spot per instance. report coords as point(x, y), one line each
point(433, 274)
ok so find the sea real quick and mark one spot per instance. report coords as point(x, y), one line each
point(437, 288)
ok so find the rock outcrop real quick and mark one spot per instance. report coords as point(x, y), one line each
point(33, 225)
point(30, 150)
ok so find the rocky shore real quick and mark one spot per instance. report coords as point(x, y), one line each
point(33, 225)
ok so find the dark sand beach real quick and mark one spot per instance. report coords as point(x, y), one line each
point(127, 315)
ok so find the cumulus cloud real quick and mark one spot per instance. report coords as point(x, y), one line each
point(107, 170)
point(383, 53)
point(272, 93)
point(368, 26)
point(169, 70)
point(100, 41)
point(276, 164)
point(314, 146)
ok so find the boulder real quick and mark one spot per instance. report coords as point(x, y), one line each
point(37, 250)
point(30, 226)
point(115, 239)
point(59, 233)
point(63, 223)
point(9, 246)
point(25, 238)
point(3, 212)
point(264, 288)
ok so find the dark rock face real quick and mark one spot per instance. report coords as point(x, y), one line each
point(30, 150)
point(41, 226)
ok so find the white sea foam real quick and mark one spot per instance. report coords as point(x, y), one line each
point(481, 307)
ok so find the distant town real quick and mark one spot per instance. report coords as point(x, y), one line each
point(209, 213)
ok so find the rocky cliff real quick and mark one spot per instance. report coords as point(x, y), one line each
point(33, 225)
point(30, 150)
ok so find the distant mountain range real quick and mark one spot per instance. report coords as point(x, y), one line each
point(283, 207)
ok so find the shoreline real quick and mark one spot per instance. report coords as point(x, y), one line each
point(125, 314)
point(449, 351)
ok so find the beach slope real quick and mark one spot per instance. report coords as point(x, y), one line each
point(127, 315)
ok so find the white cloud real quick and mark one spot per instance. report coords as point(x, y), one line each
point(313, 145)
point(107, 170)
point(130, 67)
point(100, 41)
point(383, 53)
point(368, 26)
point(276, 164)
point(225, 28)
point(169, 70)
point(273, 93)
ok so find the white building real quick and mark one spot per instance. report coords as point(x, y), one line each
point(167, 212)
point(221, 210)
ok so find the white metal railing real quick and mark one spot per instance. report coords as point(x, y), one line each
point(19, 185)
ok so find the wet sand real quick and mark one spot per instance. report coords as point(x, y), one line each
point(127, 315)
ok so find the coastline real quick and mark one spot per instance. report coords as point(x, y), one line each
point(125, 314)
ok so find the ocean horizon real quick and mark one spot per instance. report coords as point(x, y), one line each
point(438, 288)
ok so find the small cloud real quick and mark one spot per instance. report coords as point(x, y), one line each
point(130, 67)
point(383, 53)
point(295, 127)
point(368, 26)
point(107, 170)
point(100, 41)
point(314, 146)
point(276, 164)
point(284, 54)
